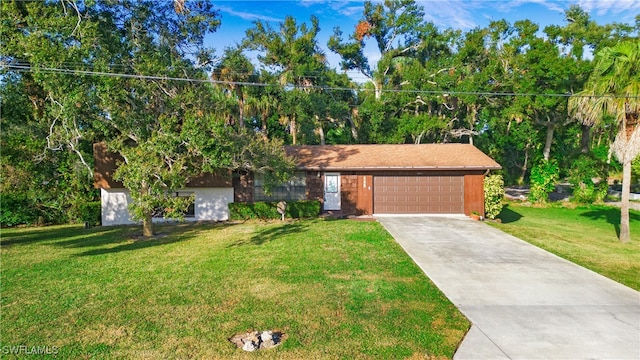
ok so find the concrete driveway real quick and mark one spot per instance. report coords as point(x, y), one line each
point(524, 302)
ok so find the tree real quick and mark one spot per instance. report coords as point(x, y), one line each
point(579, 38)
point(614, 88)
point(38, 186)
point(234, 69)
point(155, 108)
point(396, 26)
point(295, 58)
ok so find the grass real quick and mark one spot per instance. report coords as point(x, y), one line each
point(587, 236)
point(338, 289)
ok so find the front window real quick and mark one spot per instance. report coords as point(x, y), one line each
point(293, 190)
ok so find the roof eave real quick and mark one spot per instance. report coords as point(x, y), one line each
point(397, 168)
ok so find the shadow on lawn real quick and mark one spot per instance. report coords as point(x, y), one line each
point(611, 215)
point(52, 234)
point(508, 216)
point(271, 234)
point(165, 234)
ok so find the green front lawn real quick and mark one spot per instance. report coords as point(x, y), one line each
point(585, 235)
point(338, 289)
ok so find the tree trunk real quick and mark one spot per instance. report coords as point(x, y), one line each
point(147, 221)
point(321, 133)
point(378, 89)
point(547, 145)
point(625, 234)
point(352, 124)
point(147, 225)
point(585, 139)
point(524, 167)
point(241, 111)
point(264, 126)
point(292, 128)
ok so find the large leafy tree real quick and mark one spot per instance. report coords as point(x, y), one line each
point(395, 26)
point(292, 55)
point(581, 37)
point(133, 74)
point(614, 89)
point(538, 68)
point(234, 70)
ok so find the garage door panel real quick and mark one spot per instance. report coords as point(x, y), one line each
point(418, 194)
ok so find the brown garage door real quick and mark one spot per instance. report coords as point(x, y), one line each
point(418, 194)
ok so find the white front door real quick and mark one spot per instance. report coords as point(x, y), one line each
point(332, 191)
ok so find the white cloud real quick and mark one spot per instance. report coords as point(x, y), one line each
point(602, 7)
point(450, 13)
point(508, 6)
point(247, 15)
point(342, 7)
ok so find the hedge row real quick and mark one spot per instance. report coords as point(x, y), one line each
point(269, 210)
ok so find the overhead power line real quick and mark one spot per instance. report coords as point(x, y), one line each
point(29, 68)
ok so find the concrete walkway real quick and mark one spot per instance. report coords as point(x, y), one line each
point(524, 302)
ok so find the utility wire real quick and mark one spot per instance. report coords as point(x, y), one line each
point(28, 68)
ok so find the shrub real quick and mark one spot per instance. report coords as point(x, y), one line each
point(493, 195)
point(15, 210)
point(635, 171)
point(90, 212)
point(581, 176)
point(303, 209)
point(268, 210)
point(544, 177)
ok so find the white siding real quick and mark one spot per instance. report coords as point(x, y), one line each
point(210, 204)
point(114, 206)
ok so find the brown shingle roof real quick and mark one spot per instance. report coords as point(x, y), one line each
point(390, 157)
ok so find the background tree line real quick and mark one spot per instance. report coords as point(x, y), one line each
point(504, 87)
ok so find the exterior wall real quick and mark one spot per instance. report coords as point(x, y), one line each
point(243, 188)
point(114, 206)
point(210, 204)
point(364, 202)
point(474, 194)
point(353, 198)
point(315, 186)
point(105, 165)
point(349, 193)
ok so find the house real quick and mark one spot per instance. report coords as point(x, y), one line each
point(384, 179)
point(352, 179)
point(212, 193)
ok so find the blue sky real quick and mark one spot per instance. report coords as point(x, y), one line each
point(237, 16)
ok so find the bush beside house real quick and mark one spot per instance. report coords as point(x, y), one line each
point(493, 195)
point(268, 210)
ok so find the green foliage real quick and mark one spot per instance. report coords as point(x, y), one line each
point(544, 177)
point(15, 210)
point(582, 174)
point(303, 209)
point(268, 210)
point(167, 131)
point(635, 171)
point(90, 213)
point(493, 195)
